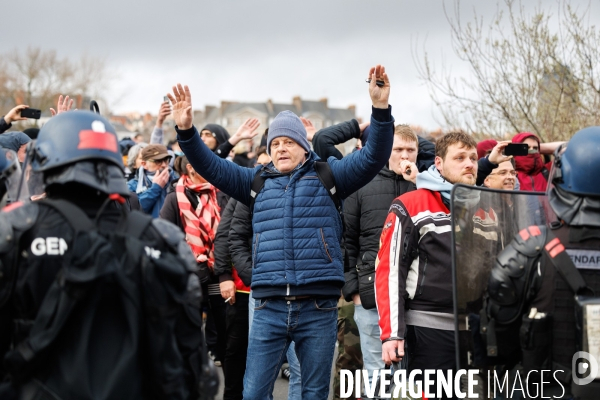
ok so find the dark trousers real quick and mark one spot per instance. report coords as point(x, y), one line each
point(234, 365)
point(429, 348)
point(218, 318)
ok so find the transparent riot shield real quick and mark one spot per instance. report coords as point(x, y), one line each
point(484, 222)
point(13, 181)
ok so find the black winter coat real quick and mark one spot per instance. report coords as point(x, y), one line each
point(365, 212)
point(222, 267)
point(240, 242)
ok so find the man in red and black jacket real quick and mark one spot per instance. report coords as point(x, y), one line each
point(413, 268)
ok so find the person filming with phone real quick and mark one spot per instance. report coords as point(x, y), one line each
point(14, 115)
point(152, 179)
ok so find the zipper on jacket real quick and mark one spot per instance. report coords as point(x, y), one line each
point(325, 245)
point(423, 278)
point(255, 248)
point(287, 293)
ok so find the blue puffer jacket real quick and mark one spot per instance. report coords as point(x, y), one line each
point(153, 198)
point(297, 229)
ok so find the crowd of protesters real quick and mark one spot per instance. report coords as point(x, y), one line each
point(283, 275)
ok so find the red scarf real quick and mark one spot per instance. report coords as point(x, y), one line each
point(200, 224)
point(530, 166)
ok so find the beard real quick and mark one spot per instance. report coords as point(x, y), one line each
point(454, 178)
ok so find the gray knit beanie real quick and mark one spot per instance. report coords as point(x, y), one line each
point(287, 124)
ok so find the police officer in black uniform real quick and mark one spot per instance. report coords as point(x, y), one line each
point(78, 154)
point(543, 307)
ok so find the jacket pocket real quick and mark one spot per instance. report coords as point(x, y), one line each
point(324, 246)
point(366, 285)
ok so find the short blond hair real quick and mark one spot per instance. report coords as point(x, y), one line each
point(405, 132)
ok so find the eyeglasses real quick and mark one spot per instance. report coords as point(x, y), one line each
point(163, 161)
point(505, 172)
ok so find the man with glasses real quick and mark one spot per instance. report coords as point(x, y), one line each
point(152, 178)
point(503, 177)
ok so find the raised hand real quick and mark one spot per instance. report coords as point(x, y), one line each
point(248, 129)
point(496, 156)
point(310, 129)
point(62, 105)
point(165, 110)
point(182, 106)
point(15, 114)
point(379, 95)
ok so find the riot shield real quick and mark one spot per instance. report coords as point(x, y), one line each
point(484, 222)
point(12, 180)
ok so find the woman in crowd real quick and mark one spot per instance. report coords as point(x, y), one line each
point(195, 205)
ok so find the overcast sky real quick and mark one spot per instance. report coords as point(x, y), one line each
point(249, 50)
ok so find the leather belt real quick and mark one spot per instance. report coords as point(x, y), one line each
point(292, 298)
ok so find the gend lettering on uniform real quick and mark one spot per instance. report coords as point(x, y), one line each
point(51, 246)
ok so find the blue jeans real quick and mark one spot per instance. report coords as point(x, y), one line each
point(295, 385)
point(367, 322)
point(311, 324)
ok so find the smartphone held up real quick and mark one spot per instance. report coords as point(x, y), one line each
point(516, 149)
point(31, 113)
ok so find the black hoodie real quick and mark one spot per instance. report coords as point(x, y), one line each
point(222, 136)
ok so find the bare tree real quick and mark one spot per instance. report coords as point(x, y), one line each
point(37, 77)
point(525, 75)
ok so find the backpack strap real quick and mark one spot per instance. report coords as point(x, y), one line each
point(257, 184)
point(326, 177)
point(136, 224)
point(78, 219)
point(564, 265)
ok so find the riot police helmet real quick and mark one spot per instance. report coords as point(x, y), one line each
point(80, 147)
point(579, 163)
point(574, 193)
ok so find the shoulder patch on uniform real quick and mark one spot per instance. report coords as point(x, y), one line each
point(12, 206)
point(399, 208)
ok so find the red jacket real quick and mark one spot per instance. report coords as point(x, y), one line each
point(414, 260)
point(531, 167)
